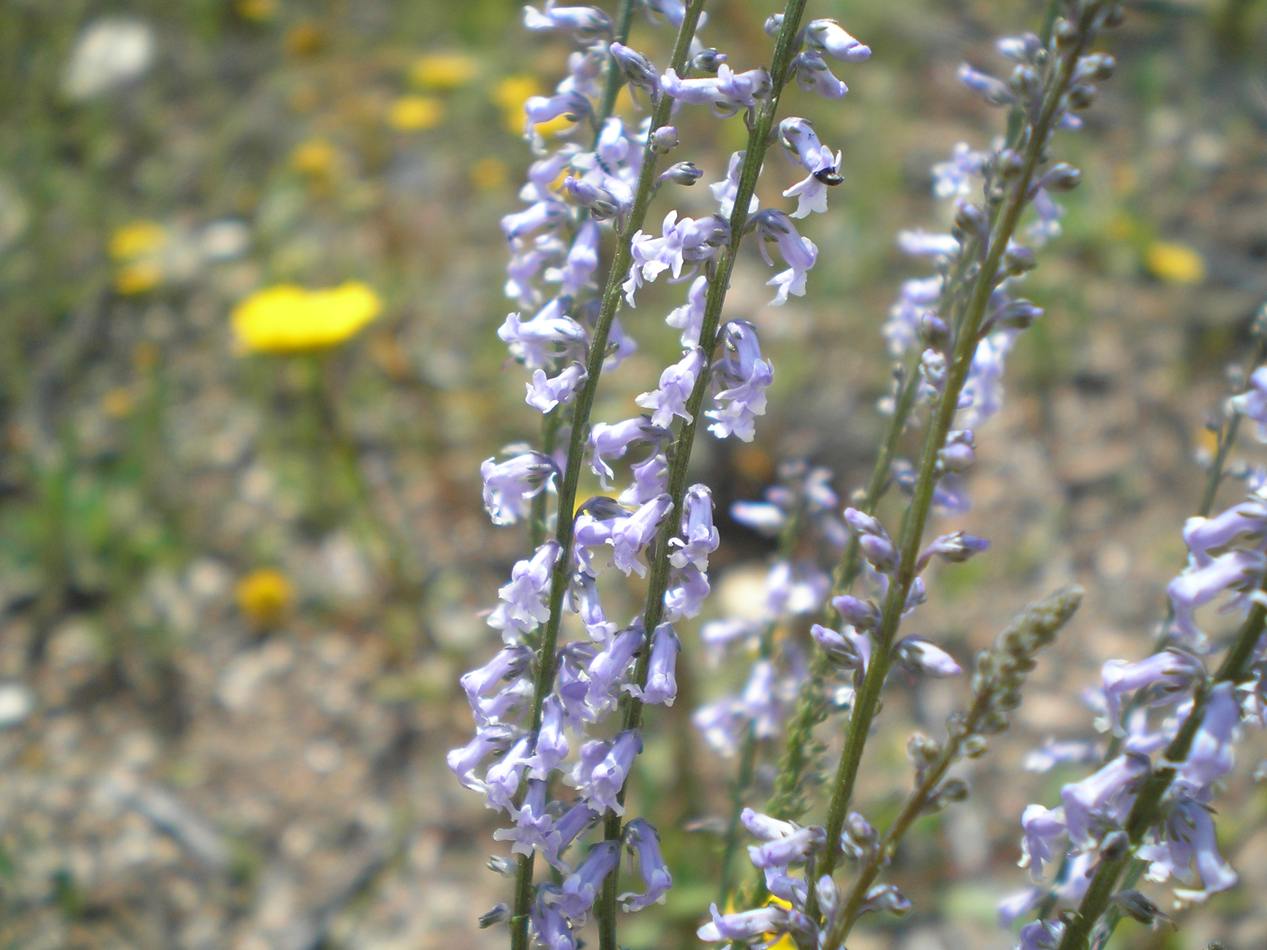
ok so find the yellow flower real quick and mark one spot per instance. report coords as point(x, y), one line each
point(136, 239)
point(304, 39)
point(315, 158)
point(138, 277)
point(511, 93)
point(447, 70)
point(257, 10)
point(1174, 263)
point(118, 402)
point(264, 596)
point(488, 173)
point(415, 113)
point(290, 319)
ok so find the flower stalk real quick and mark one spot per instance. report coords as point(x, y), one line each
point(679, 454)
point(547, 642)
point(967, 330)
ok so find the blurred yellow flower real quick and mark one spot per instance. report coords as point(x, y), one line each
point(415, 113)
point(117, 402)
point(136, 239)
point(489, 173)
point(447, 70)
point(291, 319)
point(315, 158)
point(1174, 263)
point(511, 93)
point(304, 39)
point(257, 10)
point(138, 277)
point(264, 596)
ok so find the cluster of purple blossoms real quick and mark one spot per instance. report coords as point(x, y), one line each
point(800, 510)
point(1142, 707)
point(977, 265)
point(544, 753)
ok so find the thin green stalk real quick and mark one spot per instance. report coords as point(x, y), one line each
point(680, 452)
point(913, 524)
point(997, 686)
point(565, 523)
point(796, 754)
point(1147, 811)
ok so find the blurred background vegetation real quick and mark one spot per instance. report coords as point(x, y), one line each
point(250, 272)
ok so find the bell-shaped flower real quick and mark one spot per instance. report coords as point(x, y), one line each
point(726, 190)
point(642, 839)
point(545, 393)
point(828, 36)
point(582, 22)
point(523, 600)
point(727, 92)
point(676, 383)
point(610, 441)
point(536, 342)
point(689, 318)
point(698, 538)
point(1102, 797)
point(630, 536)
point(661, 688)
point(814, 75)
point(742, 377)
point(580, 889)
point(1043, 829)
point(609, 667)
point(650, 478)
point(799, 253)
point(510, 486)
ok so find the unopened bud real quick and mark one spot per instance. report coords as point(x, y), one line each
point(681, 173)
point(495, 916)
point(664, 139)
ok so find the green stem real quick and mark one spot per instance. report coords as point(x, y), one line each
point(565, 523)
point(680, 451)
point(913, 524)
point(786, 796)
point(1147, 811)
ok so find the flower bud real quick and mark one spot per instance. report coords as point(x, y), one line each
point(1081, 96)
point(494, 916)
point(664, 139)
point(1019, 260)
point(707, 61)
point(682, 173)
point(1137, 906)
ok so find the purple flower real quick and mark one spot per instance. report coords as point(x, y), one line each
point(676, 383)
point(650, 478)
point(698, 537)
point(661, 688)
point(727, 92)
point(464, 760)
point(581, 887)
point(799, 253)
point(501, 781)
point(1166, 676)
point(539, 215)
point(545, 393)
point(688, 588)
point(1102, 797)
point(641, 838)
point(922, 656)
point(636, 69)
point(1201, 583)
point(726, 190)
point(583, 22)
point(506, 664)
point(510, 486)
point(1041, 935)
point(955, 547)
point(533, 828)
point(1043, 827)
point(552, 740)
point(745, 925)
point(1188, 839)
point(795, 588)
point(689, 317)
point(537, 341)
point(762, 517)
point(609, 666)
point(602, 790)
point(958, 177)
point(794, 848)
point(848, 648)
point(630, 536)
point(921, 243)
point(814, 75)
point(551, 928)
point(1203, 535)
point(817, 159)
point(1253, 402)
point(681, 242)
point(829, 37)
point(523, 601)
point(877, 547)
point(993, 91)
point(742, 377)
point(545, 108)
point(611, 441)
point(1211, 756)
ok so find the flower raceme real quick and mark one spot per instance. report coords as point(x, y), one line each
point(545, 753)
